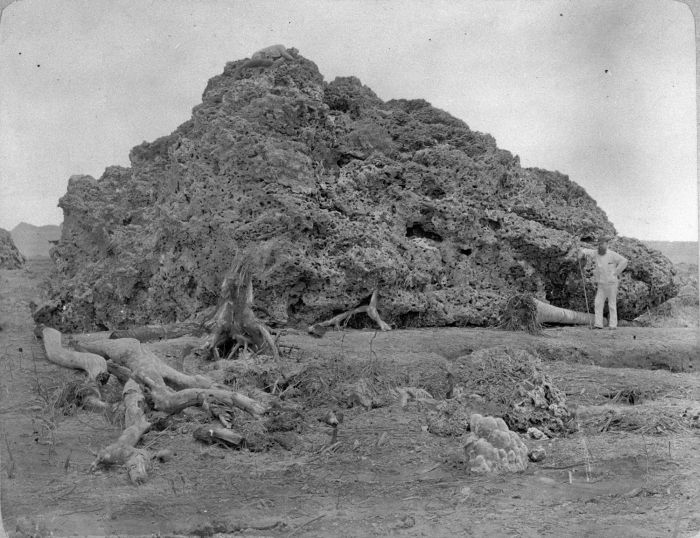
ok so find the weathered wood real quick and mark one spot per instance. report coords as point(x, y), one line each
point(218, 434)
point(144, 364)
point(170, 401)
point(370, 309)
point(234, 321)
point(94, 365)
point(547, 313)
point(123, 451)
point(160, 378)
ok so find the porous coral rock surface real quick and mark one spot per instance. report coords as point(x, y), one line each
point(492, 447)
point(344, 194)
point(10, 256)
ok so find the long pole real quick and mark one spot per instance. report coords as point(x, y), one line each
point(585, 295)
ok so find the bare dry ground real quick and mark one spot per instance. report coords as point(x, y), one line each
point(632, 470)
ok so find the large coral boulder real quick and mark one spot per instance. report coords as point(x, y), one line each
point(10, 257)
point(491, 447)
point(343, 194)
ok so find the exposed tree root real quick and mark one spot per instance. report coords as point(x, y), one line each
point(145, 366)
point(94, 365)
point(123, 451)
point(234, 325)
point(149, 370)
point(370, 309)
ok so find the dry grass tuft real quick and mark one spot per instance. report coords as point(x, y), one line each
point(644, 419)
point(520, 314)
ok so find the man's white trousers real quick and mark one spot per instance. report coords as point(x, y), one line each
point(606, 292)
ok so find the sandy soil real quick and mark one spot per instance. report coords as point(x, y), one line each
point(389, 476)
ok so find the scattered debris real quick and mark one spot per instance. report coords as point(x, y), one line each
point(217, 434)
point(537, 454)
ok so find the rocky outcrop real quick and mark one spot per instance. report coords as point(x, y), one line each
point(342, 194)
point(35, 241)
point(10, 257)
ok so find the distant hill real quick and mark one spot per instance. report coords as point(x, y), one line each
point(676, 251)
point(35, 241)
point(10, 257)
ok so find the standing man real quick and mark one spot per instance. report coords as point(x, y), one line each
point(608, 268)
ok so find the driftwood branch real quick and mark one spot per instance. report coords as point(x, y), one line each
point(370, 309)
point(94, 365)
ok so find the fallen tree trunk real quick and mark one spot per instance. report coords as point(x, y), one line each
point(123, 451)
point(547, 313)
point(524, 312)
point(370, 309)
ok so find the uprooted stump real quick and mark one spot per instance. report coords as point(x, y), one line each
point(234, 324)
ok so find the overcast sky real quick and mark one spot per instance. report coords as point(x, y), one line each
point(603, 91)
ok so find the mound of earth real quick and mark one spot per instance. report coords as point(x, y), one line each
point(505, 382)
point(342, 194)
point(10, 257)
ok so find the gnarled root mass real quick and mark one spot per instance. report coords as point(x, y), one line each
point(147, 380)
point(159, 378)
point(123, 451)
point(370, 309)
point(234, 325)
